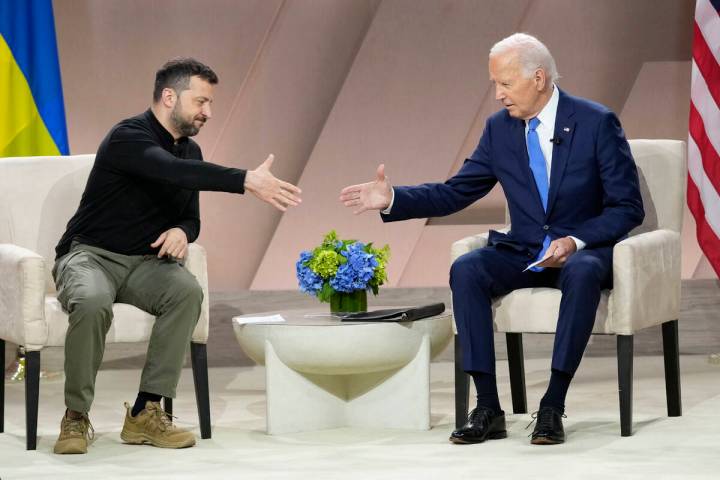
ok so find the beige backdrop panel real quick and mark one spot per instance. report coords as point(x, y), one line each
point(414, 89)
point(335, 87)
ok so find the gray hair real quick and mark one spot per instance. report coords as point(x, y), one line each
point(531, 52)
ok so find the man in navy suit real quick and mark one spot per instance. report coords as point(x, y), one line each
point(572, 192)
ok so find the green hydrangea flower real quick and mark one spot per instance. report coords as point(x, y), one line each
point(325, 262)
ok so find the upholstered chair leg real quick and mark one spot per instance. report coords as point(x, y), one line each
point(462, 387)
point(167, 405)
point(32, 392)
point(516, 364)
point(671, 352)
point(2, 387)
point(625, 382)
point(198, 354)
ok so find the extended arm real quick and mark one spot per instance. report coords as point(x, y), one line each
point(474, 180)
point(138, 154)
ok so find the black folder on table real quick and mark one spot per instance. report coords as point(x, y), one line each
point(405, 314)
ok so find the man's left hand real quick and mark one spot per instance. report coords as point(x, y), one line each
point(558, 252)
point(174, 243)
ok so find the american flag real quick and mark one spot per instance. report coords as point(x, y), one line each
point(703, 193)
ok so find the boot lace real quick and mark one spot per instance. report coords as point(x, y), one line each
point(160, 418)
point(79, 427)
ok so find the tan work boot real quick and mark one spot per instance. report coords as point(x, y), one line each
point(152, 425)
point(74, 435)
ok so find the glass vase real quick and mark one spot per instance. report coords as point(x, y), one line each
point(341, 302)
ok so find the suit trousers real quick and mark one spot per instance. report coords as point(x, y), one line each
point(481, 275)
point(89, 280)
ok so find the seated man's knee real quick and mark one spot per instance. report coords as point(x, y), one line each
point(94, 307)
point(460, 268)
point(582, 269)
point(188, 290)
point(469, 269)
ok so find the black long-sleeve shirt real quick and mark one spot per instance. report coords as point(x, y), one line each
point(142, 184)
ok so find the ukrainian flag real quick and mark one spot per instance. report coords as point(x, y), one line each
point(32, 114)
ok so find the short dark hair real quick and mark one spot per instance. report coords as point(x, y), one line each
point(176, 74)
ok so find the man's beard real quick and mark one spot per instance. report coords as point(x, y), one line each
point(183, 127)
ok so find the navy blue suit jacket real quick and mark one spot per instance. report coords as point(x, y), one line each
point(594, 193)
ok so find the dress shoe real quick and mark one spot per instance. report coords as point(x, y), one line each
point(549, 427)
point(483, 424)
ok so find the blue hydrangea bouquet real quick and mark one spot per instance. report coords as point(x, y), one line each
point(340, 272)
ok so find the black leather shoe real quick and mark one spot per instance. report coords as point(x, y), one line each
point(483, 424)
point(549, 428)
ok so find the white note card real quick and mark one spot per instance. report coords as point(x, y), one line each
point(535, 264)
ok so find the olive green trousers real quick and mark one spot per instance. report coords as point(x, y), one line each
point(89, 280)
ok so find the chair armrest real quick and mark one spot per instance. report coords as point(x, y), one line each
point(22, 297)
point(196, 263)
point(468, 244)
point(646, 281)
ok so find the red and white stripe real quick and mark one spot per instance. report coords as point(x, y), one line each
point(703, 193)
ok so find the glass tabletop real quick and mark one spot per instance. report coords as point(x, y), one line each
point(313, 317)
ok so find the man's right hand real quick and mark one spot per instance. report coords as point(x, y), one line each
point(375, 195)
point(265, 186)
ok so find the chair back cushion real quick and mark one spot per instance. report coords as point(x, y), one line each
point(38, 195)
point(662, 171)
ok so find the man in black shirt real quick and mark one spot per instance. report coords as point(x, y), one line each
point(127, 243)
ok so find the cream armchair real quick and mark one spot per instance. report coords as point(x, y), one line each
point(646, 288)
point(38, 195)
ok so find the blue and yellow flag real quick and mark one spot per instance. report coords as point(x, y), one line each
point(32, 113)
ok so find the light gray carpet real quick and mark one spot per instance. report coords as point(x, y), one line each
point(684, 447)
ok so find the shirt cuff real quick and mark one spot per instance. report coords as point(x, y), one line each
point(392, 200)
point(579, 244)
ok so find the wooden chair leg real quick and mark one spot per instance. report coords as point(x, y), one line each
point(198, 354)
point(167, 405)
point(32, 393)
point(671, 352)
point(625, 382)
point(462, 387)
point(2, 387)
point(516, 365)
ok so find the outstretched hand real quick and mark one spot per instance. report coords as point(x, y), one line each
point(265, 186)
point(375, 195)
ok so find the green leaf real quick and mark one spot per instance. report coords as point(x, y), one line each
point(326, 292)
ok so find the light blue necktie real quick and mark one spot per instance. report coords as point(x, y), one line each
point(539, 169)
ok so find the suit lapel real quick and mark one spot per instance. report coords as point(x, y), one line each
point(564, 131)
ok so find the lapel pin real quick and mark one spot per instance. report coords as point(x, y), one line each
point(566, 129)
